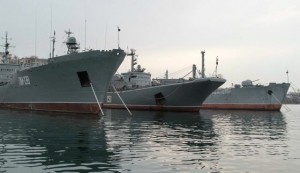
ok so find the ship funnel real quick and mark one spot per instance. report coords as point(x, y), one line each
point(203, 70)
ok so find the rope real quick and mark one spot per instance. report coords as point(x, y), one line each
point(187, 74)
point(121, 100)
point(96, 98)
point(177, 72)
point(294, 87)
point(285, 106)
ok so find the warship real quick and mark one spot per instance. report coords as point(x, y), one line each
point(248, 97)
point(75, 82)
point(136, 90)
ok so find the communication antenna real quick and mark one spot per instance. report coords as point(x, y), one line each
point(217, 63)
point(35, 31)
point(287, 75)
point(69, 32)
point(133, 59)
point(51, 27)
point(85, 29)
point(53, 42)
point(6, 47)
point(118, 37)
point(85, 34)
point(167, 74)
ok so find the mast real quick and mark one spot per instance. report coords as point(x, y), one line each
point(194, 71)
point(203, 70)
point(68, 33)
point(85, 35)
point(167, 74)
point(53, 42)
point(133, 59)
point(217, 63)
point(6, 47)
point(287, 75)
point(50, 28)
point(118, 37)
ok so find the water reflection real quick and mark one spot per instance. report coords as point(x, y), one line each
point(249, 125)
point(200, 139)
point(52, 142)
point(249, 138)
point(208, 141)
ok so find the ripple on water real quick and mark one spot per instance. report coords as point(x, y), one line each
point(209, 141)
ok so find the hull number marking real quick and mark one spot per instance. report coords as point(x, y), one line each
point(24, 80)
point(108, 99)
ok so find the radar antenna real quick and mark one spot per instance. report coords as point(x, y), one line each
point(71, 43)
point(133, 59)
point(69, 33)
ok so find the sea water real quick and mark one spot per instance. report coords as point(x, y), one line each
point(206, 141)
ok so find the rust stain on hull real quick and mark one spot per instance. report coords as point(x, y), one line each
point(271, 107)
point(154, 107)
point(55, 107)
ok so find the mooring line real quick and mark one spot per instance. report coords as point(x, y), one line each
point(96, 98)
point(121, 99)
point(286, 107)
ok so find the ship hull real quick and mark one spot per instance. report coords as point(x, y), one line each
point(187, 96)
point(239, 106)
point(64, 84)
point(55, 107)
point(250, 98)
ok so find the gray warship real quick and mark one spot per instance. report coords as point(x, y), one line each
point(136, 90)
point(75, 82)
point(248, 97)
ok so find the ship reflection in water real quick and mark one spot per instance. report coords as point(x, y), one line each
point(209, 141)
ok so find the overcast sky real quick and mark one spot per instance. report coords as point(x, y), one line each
point(254, 39)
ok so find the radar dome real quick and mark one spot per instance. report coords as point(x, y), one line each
point(71, 40)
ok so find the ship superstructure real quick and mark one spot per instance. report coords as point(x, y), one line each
point(8, 67)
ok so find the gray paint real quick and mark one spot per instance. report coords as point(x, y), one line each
point(249, 95)
point(57, 82)
point(189, 93)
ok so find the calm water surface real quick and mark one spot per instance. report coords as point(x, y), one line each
point(209, 141)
